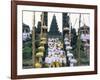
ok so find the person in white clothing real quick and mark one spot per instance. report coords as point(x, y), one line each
point(48, 60)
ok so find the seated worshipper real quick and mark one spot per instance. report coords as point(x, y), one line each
point(61, 52)
point(50, 44)
point(56, 51)
point(55, 60)
point(49, 39)
point(64, 61)
point(49, 52)
point(60, 60)
point(58, 47)
point(48, 61)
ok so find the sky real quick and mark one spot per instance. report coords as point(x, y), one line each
point(74, 19)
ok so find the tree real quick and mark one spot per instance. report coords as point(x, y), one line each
point(73, 38)
point(54, 27)
point(82, 58)
point(38, 29)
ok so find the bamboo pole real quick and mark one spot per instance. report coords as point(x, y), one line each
point(33, 40)
point(79, 40)
point(42, 15)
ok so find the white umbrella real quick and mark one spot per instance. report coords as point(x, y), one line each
point(87, 44)
point(66, 39)
point(85, 37)
point(73, 60)
point(68, 47)
point(66, 42)
point(69, 54)
point(66, 28)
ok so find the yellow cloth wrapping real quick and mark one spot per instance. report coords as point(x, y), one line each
point(55, 64)
point(41, 48)
point(39, 54)
point(42, 42)
point(38, 65)
point(44, 39)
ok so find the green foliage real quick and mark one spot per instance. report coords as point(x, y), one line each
point(28, 43)
point(27, 49)
point(27, 52)
point(78, 51)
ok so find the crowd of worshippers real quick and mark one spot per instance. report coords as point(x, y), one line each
point(56, 56)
